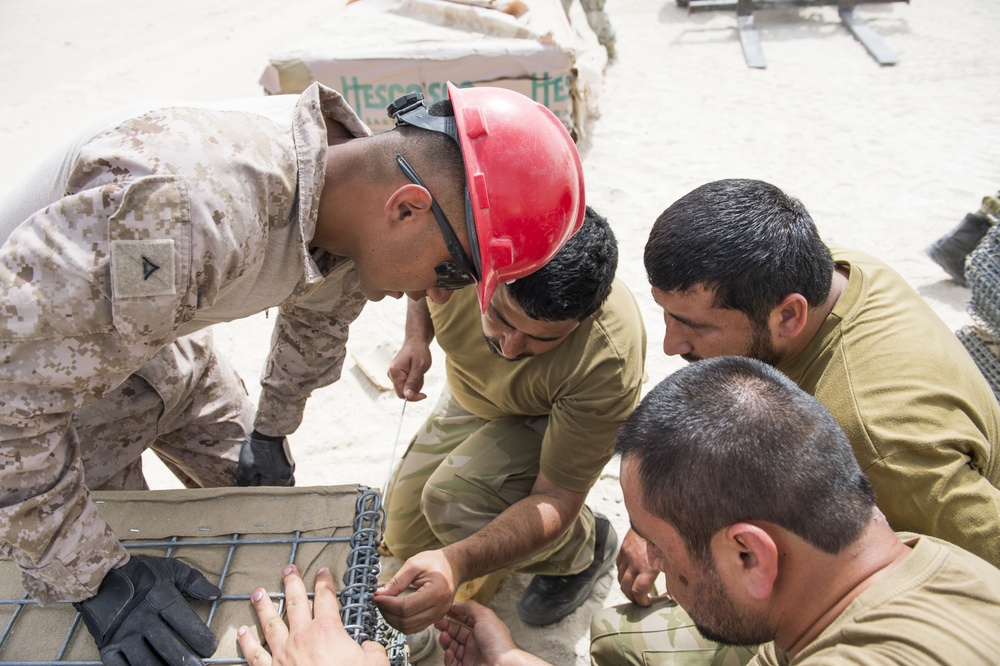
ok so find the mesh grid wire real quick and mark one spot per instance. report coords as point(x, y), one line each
point(985, 351)
point(361, 617)
point(24, 618)
point(982, 273)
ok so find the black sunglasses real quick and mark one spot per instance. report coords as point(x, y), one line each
point(451, 274)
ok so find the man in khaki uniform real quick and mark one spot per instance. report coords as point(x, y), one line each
point(500, 473)
point(739, 268)
point(749, 498)
point(160, 220)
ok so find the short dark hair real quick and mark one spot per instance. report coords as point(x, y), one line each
point(435, 157)
point(746, 239)
point(578, 279)
point(730, 439)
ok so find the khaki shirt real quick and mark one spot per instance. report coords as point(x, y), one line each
point(151, 225)
point(921, 418)
point(941, 605)
point(587, 385)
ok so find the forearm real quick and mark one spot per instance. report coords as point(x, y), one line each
point(414, 358)
point(308, 349)
point(519, 657)
point(419, 325)
point(521, 530)
point(513, 535)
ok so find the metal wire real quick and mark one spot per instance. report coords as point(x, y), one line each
point(395, 445)
point(982, 340)
point(985, 351)
point(361, 618)
point(983, 277)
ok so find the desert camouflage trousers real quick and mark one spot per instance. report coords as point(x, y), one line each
point(598, 20)
point(187, 404)
point(662, 634)
point(460, 472)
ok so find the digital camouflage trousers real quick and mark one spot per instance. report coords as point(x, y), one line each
point(187, 404)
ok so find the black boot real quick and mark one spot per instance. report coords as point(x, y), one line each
point(950, 251)
point(548, 599)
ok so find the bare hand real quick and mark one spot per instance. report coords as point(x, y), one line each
point(472, 634)
point(435, 581)
point(408, 368)
point(313, 636)
point(635, 575)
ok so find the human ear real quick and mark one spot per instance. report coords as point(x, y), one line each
point(751, 557)
point(790, 315)
point(407, 204)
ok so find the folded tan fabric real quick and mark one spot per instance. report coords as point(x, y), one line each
point(242, 537)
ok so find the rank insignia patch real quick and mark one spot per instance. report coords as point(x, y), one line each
point(142, 268)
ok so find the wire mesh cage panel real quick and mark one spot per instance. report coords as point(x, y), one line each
point(984, 349)
point(240, 538)
point(982, 273)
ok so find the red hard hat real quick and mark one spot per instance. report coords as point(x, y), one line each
point(525, 182)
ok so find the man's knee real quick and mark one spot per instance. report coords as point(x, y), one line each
point(406, 530)
point(661, 634)
point(455, 509)
point(606, 645)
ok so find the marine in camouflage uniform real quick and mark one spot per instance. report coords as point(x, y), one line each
point(599, 22)
point(153, 225)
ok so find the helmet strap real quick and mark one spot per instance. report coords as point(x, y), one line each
point(411, 109)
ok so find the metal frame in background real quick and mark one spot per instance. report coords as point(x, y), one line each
point(982, 339)
point(753, 52)
point(361, 618)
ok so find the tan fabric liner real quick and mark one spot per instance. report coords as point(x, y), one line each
point(197, 516)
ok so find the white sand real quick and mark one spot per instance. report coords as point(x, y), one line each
point(886, 159)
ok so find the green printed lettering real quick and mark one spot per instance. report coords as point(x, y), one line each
point(395, 92)
point(434, 91)
point(540, 89)
point(362, 96)
point(549, 91)
point(561, 93)
point(370, 98)
point(349, 90)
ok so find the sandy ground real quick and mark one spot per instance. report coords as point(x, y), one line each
point(885, 158)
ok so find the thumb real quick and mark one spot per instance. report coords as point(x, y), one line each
point(402, 580)
point(411, 390)
point(374, 653)
point(191, 581)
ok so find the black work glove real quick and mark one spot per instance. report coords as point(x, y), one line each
point(138, 615)
point(265, 461)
